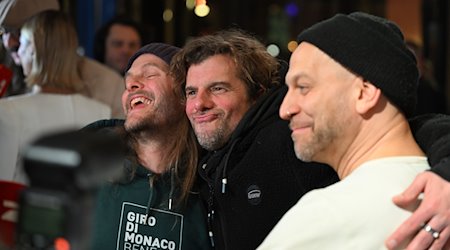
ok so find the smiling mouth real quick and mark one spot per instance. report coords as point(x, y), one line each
point(137, 101)
point(205, 118)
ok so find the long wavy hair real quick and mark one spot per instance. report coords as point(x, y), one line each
point(182, 155)
point(55, 61)
point(183, 158)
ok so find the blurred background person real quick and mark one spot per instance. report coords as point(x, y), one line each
point(49, 59)
point(116, 42)
point(10, 32)
point(100, 82)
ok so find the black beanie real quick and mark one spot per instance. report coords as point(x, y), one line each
point(161, 50)
point(373, 48)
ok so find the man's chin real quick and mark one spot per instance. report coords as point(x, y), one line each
point(131, 125)
point(209, 142)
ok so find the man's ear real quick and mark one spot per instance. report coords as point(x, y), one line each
point(369, 96)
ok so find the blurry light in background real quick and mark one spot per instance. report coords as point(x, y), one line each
point(190, 4)
point(291, 9)
point(167, 15)
point(273, 50)
point(201, 9)
point(292, 45)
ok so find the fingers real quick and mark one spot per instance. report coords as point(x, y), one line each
point(440, 243)
point(404, 199)
point(409, 200)
point(442, 222)
point(401, 237)
point(433, 235)
point(422, 240)
point(408, 229)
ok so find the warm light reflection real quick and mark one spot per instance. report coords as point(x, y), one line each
point(201, 10)
point(190, 4)
point(167, 15)
point(292, 45)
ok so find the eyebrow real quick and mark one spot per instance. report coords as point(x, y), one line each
point(152, 64)
point(297, 76)
point(209, 85)
point(145, 66)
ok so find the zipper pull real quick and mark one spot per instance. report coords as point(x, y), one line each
point(224, 184)
point(211, 238)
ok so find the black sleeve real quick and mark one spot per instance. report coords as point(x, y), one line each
point(432, 133)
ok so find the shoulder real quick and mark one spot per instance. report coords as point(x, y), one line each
point(93, 69)
point(104, 124)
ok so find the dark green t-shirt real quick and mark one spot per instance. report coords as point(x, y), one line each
point(123, 220)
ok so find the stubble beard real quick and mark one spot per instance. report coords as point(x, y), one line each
point(139, 126)
point(162, 115)
point(213, 140)
point(308, 149)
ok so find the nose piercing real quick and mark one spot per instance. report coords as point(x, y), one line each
point(288, 113)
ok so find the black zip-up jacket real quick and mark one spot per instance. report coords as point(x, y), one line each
point(253, 180)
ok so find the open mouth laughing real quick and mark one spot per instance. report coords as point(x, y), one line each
point(139, 101)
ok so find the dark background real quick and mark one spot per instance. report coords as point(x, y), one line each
point(274, 22)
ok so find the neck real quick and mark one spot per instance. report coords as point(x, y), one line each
point(153, 148)
point(378, 139)
point(151, 154)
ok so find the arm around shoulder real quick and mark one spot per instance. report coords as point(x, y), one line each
point(432, 133)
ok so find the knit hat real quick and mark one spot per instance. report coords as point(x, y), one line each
point(161, 50)
point(373, 48)
point(14, 13)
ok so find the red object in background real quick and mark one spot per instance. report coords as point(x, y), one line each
point(9, 211)
point(5, 79)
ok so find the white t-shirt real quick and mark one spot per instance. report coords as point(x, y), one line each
point(104, 85)
point(24, 118)
point(355, 213)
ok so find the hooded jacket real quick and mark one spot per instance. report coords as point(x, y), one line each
point(137, 212)
point(253, 180)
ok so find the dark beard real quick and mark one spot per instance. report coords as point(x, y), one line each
point(138, 128)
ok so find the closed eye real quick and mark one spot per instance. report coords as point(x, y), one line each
point(302, 89)
point(148, 76)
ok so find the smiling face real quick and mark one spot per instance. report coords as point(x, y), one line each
point(317, 104)
point(149, 100)
point(216, 100)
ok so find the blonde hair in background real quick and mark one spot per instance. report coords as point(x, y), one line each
point(55, 61)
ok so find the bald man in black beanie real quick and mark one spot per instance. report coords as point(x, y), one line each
point(352, 85)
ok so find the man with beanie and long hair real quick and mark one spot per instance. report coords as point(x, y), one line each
point(153, 206)
point(363, 135)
